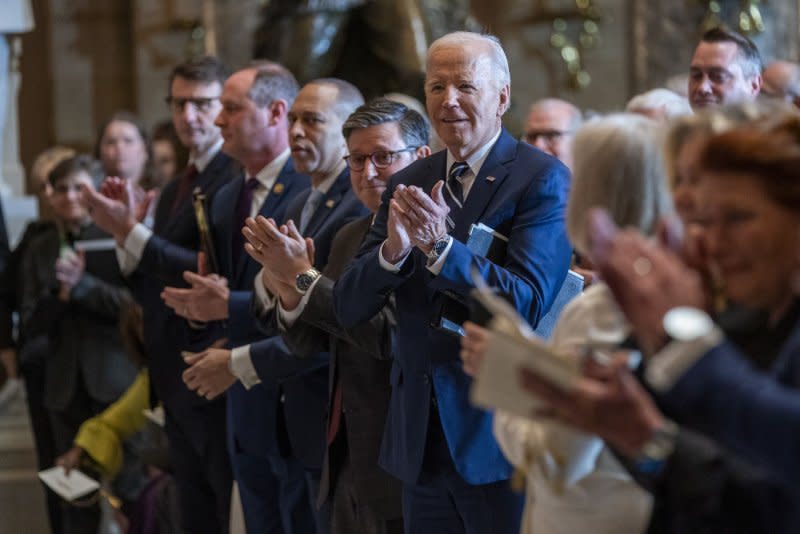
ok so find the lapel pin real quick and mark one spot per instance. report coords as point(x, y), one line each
point(278, 189)
point(329, 204)
point(490, 178)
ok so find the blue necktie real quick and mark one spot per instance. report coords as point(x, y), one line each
point(455, 188)
point(311, 205)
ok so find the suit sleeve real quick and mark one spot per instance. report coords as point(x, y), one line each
point(747, 411)
point(318, 320)
point(100, 297)
point(167, 261)
point(274, 363)
point(365, 278)
point(703, 484)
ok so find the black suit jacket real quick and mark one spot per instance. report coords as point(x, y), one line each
point(171, 250)
point(360, 362)
point(84, 339)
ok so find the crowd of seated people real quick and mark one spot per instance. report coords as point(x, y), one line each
point(287, 271)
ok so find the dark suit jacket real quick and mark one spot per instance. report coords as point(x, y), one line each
point(84, 339)
point(171, 250)
point(304, 382)
point(251, 413)
point(360, 362)
point(755, 414)
point(521, 193)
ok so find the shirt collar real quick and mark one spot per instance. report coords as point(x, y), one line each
point(202, 160)
point(327, 183)
point(476, 160)
point(269, 174)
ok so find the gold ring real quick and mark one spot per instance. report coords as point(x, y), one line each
point(642, 266)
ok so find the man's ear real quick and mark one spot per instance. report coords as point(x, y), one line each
point(278, 109)
point(755, 84)
point(423, 152)
point(504, 101)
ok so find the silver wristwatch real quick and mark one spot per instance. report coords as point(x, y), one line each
point(304, 280)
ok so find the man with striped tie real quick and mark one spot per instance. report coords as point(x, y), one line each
point(455, 478)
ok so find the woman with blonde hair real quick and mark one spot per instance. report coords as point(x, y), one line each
point(574, 483)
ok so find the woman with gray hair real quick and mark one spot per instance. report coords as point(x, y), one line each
point(574, 483)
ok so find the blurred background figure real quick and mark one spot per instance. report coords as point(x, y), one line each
point(781, 79)
point(122, 148)
point(550, 127)
point(659, 104)
point(69, 305)
point(170, 156)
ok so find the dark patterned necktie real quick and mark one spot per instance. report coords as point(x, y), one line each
point(455, 188)
point(243, 207)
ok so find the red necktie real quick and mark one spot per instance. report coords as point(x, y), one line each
point(335, 417)
point(184, 187)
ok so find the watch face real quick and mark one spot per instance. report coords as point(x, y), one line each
point(687, 324)
point(439, 246)
point(304, 281)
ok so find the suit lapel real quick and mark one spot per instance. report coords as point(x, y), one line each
point(491, 177)
point(215, 166)
point(269, 206)
point(329, 202)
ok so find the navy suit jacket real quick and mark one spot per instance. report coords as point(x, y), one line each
point(251, 413)
point(521, 193)
point(755, 414)
point(171, 250)
point(304, 381)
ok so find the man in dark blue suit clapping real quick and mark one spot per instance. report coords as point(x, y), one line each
point(455, 476)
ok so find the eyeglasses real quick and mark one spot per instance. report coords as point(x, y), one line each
point(380, 158)
point(548, 136)
point(199, 104)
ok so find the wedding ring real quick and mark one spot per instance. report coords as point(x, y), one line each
point(259, 247)
point(642, 266)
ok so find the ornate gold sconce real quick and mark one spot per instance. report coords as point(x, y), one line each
point(573, 31)
point(748, 17)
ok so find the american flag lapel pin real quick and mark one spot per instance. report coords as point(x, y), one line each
point(329, 204)
point(490, 178)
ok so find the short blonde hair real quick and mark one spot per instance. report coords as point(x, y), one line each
point(46, 162)
point(618, 167)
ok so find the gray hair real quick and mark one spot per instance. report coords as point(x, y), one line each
point(502, 74)
point(673, 104)
point(618, 167)
point(413, 126)
point(272, 82)
point(575, 114)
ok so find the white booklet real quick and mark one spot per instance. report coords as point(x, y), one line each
point(156, 415)
point(69, 487)
point(512, 346)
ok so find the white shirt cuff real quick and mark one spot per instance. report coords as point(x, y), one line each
point(391, 267)
point(241, 366)
point(436, 267)
point(669, 365)
point(265, 300)
point(127, 263)
point(287, 318)
point(134, 246)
